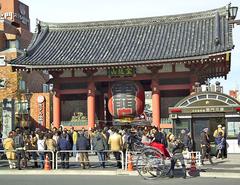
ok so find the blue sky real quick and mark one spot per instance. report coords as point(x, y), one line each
point(94, 10)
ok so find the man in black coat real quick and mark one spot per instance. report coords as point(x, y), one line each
point(64, 144)
point(205, 146)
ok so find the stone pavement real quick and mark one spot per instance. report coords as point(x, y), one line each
point(226, 168)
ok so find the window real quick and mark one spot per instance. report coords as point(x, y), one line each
point(2, 61)
point(233, 128)
point(13, 44)
point(45, 88)
point(21, 107)
point(22, 85)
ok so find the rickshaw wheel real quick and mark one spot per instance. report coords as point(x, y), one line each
point(150, 164)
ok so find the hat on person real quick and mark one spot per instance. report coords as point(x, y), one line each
point(205, 130)
point(219, 126)
point(171, 137)
point(183, 131)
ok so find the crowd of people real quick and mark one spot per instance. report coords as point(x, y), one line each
point(69, 142)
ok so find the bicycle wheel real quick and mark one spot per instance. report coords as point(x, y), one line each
point(150, 164)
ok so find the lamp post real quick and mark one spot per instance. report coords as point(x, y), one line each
point(28, 96)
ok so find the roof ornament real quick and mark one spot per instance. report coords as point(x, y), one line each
point(38, 26)
point(197, 87)
point(217, 29)
point(25, 52)
point(219, 88)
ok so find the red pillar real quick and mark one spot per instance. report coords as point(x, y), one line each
point(155, 103)
point(56, 110)
point(91, 105)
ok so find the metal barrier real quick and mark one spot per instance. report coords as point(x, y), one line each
point(91, 154)
point(45, 152)
point(134, 155)
point(188, 158)
point(3, 155)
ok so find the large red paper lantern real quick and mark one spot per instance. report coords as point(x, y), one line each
point(126, 99)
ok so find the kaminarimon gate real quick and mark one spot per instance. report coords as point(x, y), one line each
point(101, 69)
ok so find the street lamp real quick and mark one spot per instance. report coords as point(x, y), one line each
point(232, 14)
point(28, 96)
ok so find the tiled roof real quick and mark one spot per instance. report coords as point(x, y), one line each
point(130, 41)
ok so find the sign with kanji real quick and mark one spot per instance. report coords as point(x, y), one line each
point(121, 72)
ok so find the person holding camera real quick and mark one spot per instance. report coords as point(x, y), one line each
point(176, 147)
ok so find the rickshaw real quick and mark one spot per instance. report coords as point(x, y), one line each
point(153, 160)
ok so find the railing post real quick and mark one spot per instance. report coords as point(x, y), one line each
point(57, 159)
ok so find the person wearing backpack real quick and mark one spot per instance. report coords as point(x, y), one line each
point(19, 147)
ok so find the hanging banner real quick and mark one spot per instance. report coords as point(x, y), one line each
point(7, 116)
point(41, 111)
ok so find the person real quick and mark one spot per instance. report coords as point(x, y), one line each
point(205, 146)
point(159, 137)
point(186, 139)
point(239, 139)
point(74, 138)
point(145, 138)
point(100, 144)
point(176, 147)
point(33, 145)
point(225, 144)
point(8, 145)
point(83, 144)
point(1, 138)
point(217, 131)
point(19, 147)
point(41, 147)
point(115, 142)
point(51, 145)
point(220, 146)
point(64, 144)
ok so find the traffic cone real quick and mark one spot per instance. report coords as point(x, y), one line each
point(130, 162)
point(47, 163)
point(193, 169)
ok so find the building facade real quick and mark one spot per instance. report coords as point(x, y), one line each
point(208, 108)
point(100, 69)
point(15, 36)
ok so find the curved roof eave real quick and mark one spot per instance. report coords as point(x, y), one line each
point(205, 93)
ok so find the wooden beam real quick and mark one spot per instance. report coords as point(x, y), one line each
point(73, 91)
point(174, 87)
point(136, 78)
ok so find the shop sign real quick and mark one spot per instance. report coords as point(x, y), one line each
point(12, 15)
point(207, 109)
point(3, 82)
point(121, 72)
point(7, 116)
point(41, 110)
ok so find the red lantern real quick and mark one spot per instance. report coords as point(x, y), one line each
point(126, 99)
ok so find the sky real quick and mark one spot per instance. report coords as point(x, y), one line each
point(97, 10)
